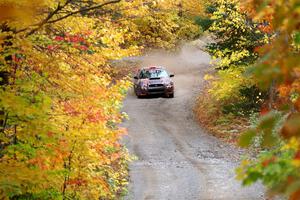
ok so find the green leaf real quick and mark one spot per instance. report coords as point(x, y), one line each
point(293, 187)
point(269, 139)
point(297, 38)
point(269, 121)
point(247, 138)
point(253, 176)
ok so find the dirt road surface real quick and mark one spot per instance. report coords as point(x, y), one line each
point(177, 160)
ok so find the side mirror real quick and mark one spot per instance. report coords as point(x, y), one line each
point(171, 75)
point(135, 77)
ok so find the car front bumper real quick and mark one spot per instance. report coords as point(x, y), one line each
point(155, 90)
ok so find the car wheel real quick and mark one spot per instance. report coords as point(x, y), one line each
point(136, 93)
point(169, 95)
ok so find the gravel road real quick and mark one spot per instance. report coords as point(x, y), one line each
point(177, 159)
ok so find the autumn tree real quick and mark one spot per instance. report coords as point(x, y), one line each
point(236, 37)
point(59, 137)
point(60, 108)
point(279, 127)
point(164, 27)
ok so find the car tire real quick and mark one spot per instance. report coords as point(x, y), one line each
point(137, 94)
point(170, 95)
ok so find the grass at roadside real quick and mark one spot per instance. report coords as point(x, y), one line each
point(227, 127)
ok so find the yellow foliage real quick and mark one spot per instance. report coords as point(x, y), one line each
point(292, 144)
point(61, 108)
point(208, 77)
point(227, 84)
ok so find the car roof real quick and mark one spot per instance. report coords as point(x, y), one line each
point(152, 67)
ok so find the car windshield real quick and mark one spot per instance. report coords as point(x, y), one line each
point(153, 73)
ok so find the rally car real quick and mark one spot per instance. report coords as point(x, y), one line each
point(153, 80)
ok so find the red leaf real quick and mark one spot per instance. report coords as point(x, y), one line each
point(59, 38)
point(264, 111)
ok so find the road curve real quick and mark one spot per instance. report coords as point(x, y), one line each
point(177, 160)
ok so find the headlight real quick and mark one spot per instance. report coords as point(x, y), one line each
point(169, 85)
point(144, 87)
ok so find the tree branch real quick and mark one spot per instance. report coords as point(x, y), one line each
point(2, 129)
point(50, 15)
point(84, 10)
point(59, 7)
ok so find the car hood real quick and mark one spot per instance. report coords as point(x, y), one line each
point(164, 80)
